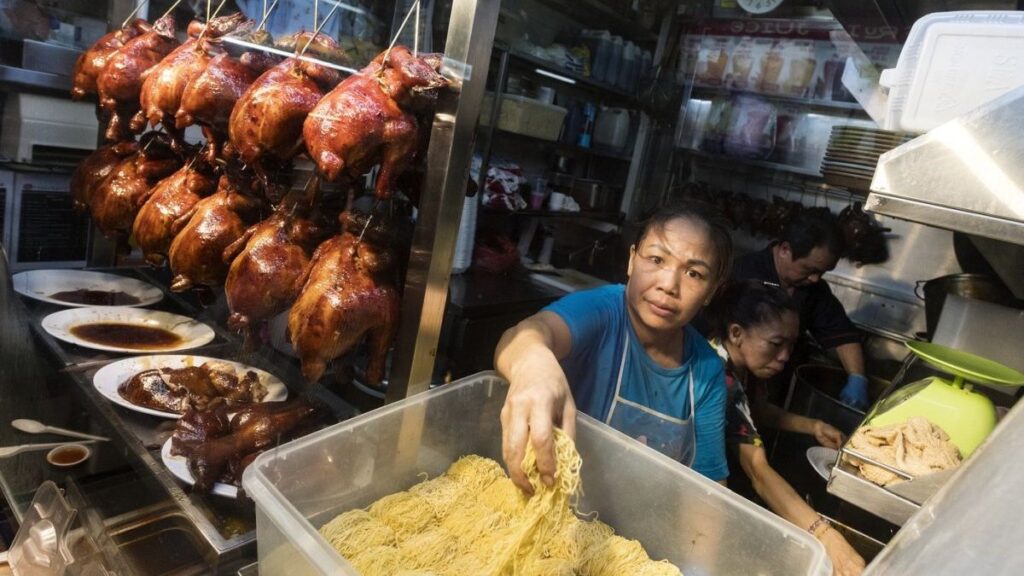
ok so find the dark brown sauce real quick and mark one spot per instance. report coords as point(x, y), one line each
point(96, 297)
point(66, 456)
point(135, 336)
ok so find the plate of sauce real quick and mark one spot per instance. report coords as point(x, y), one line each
point(82, 288)
point(131, 330)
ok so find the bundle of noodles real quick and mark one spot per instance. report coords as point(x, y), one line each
point(441, 494)
point(355, 531)
point(405, 513)
point(474, 521)
point(377, 560)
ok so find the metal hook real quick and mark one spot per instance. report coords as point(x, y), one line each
point(134, 12)
point(171, 9)
point(415, 7)
point(207, 26)
point(266, 14)
point(316, 31)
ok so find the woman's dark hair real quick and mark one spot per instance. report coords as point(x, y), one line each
point(748, 303)
point(721, 241)
point(810, 229)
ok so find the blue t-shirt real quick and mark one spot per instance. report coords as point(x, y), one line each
point(598, 322)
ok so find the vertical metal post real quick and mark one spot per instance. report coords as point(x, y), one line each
point(467, 56)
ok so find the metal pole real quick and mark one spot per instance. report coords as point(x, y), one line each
point(467, 55)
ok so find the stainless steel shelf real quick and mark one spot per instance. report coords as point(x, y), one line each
point(733, 163)
point(577, 79)
point(851, 107)
point(563, 148)
point(33, 79)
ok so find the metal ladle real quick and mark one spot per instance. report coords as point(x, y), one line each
point(36, 427)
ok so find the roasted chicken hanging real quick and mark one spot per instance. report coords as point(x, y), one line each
point(165, 83)
point(91, 62)
point(171, 199)
point(265, 127)
point(94, 169)
point(209, 99)
point(120, 82)
point(369, 119)
point(267, 261)
point(196, 254)
point(347, 293)
point(117, 200)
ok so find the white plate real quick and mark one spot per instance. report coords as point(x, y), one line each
point(39, 284)
point(108, 378)
point(178, 465)
point(822, 459)
point(193, 333)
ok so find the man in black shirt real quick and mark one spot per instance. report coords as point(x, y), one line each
point(810, 246)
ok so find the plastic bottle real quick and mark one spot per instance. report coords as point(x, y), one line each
point(627, 70)
point(614, 61)
point(646, 67)
point(604, 52)
point(587, 130)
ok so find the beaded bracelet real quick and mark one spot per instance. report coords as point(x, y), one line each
point(813, 528)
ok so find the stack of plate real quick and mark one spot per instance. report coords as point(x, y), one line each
point(853, 153)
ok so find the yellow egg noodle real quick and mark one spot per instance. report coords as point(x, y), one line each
point(473, 520)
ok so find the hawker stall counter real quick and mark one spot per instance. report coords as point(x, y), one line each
point(125, 488)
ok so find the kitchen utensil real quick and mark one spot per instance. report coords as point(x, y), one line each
point(816, 390)
point(921, 487)
point(966, 416)
point(109, 378)
point(973, 286)
point(6, 451)
point(592, 194)
point(36, 427)
point(822, 459)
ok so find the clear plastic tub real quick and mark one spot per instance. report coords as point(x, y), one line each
point(677, 514)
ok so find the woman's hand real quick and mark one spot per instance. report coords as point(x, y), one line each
point(536, 403)
point(538, 397)
point(845, 560)
point(827, 435)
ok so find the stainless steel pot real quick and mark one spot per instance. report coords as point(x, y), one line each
point(593, 195)
point(816, 395)
point(973, 286)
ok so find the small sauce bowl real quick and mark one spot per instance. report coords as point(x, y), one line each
point(68, 455)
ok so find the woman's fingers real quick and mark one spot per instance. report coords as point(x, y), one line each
point(515, 435)
point(542, 435)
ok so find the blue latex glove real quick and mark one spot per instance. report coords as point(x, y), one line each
point(855, 392)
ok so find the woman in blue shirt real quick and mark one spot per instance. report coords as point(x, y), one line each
point(626, 354)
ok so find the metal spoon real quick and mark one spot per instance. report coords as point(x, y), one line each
point(37, 427)
point(13, 450)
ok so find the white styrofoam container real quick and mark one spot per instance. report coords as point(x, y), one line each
point(951, 63)
point(676, 513)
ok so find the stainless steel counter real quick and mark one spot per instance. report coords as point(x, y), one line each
point(45, 379)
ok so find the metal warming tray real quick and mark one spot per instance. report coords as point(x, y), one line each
point(677, 514)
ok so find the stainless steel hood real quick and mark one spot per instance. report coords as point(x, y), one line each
point(966, 175)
